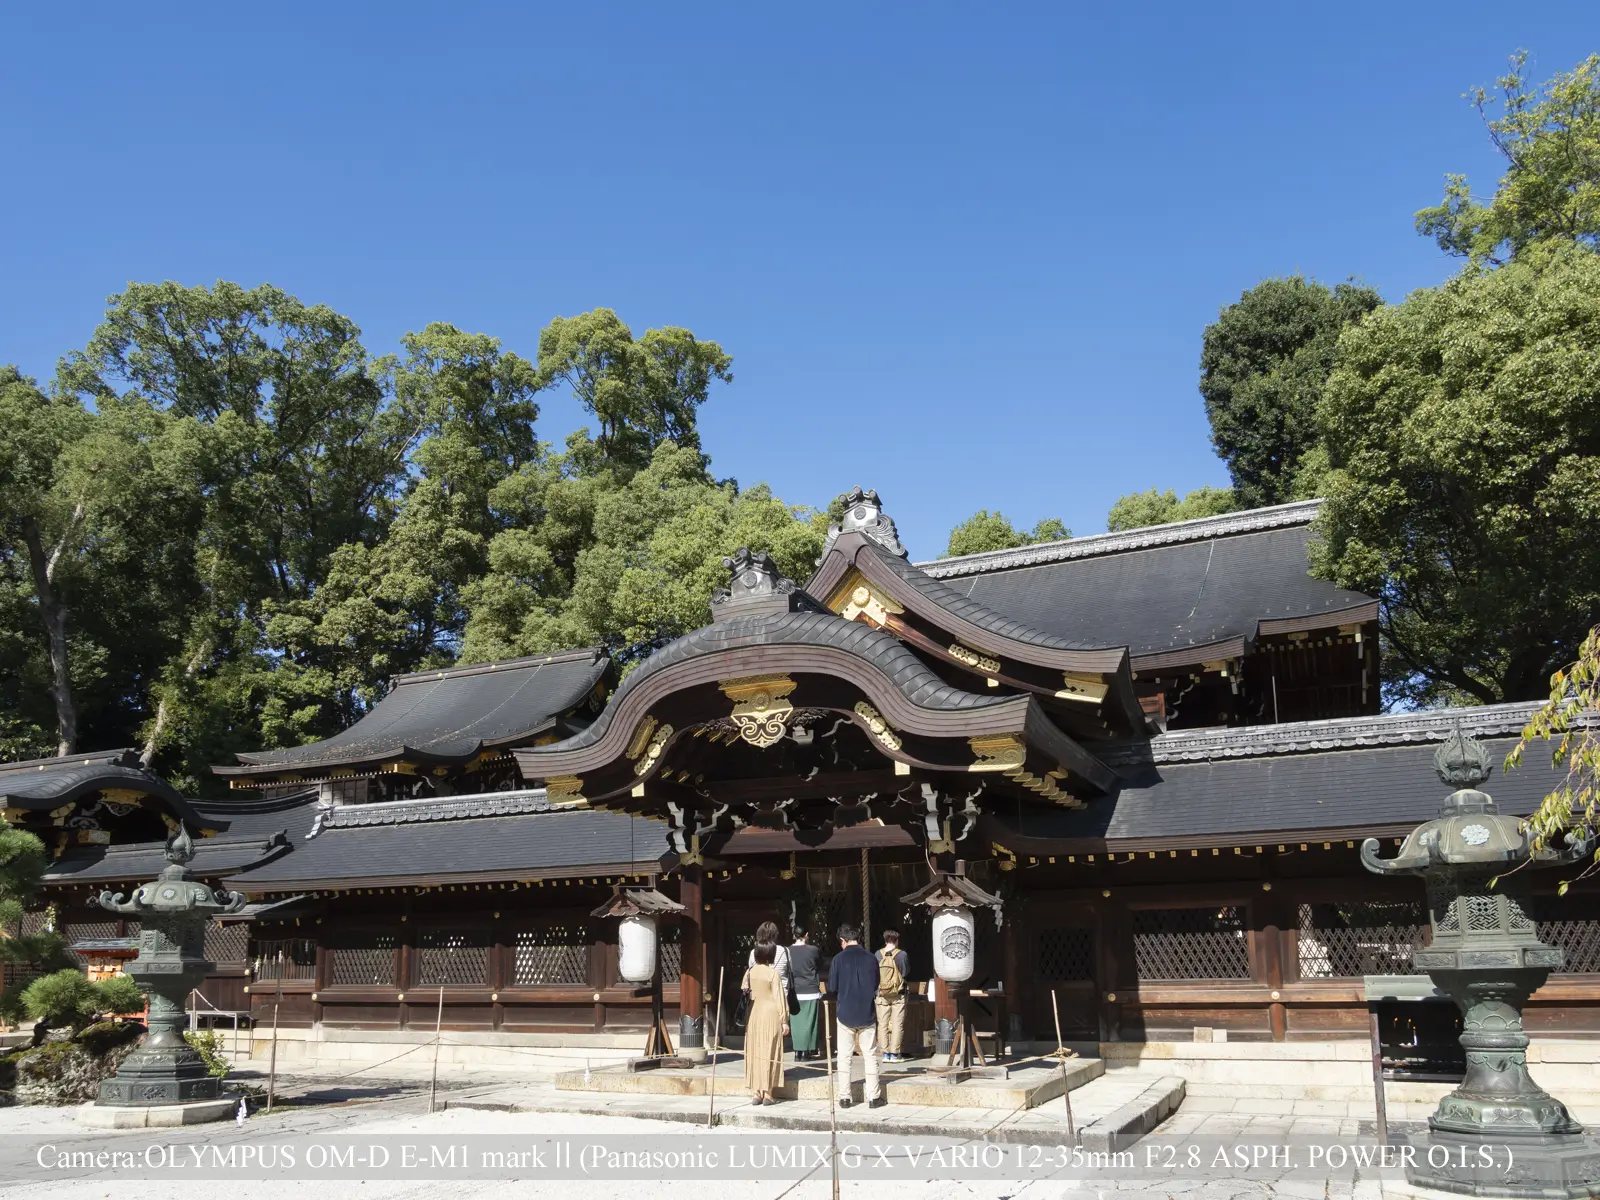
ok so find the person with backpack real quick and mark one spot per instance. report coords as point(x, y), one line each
point(891, 1000)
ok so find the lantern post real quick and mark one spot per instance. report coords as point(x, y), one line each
point(639, 962)
point(164, 1082)
point(951, 897)
point(1499, 1133)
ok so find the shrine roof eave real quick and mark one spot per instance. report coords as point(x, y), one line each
point(967, 620)
point(801, 646)
point(42, 784)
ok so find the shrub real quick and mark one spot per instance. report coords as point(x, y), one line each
point(208, 1045)
point(119, 994)
point(63, 998)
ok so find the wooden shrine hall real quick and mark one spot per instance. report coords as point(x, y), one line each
point(1157, 750)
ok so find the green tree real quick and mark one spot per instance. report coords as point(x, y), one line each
point(1567, 720)
point(1464, 437)
point(22, 863)
point(629, 565)
point(1139, 509)
point(985, 530)
point(1550, 139)
point(1263, 365)
point(642, 391)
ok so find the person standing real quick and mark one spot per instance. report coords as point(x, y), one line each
point(767, 932)
point(805, 964)
point(891, 1001)
point(769, 1021)
point(853, 984)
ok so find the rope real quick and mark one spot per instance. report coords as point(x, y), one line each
point(866, 900)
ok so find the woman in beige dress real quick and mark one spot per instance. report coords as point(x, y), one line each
point(768, 1022)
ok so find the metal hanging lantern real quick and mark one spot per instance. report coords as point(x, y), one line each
point(1486, 954)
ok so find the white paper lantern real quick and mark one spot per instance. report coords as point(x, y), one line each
point(636, 949)
point(953, 944)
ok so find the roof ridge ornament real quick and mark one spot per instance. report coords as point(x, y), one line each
point(756, 587)
point(864, 514)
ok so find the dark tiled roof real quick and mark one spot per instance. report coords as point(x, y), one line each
point(805, 628)
point(449, 716)
point(509, 847)
point(1340, 733)
point(140, 861)
point(1173, 597)
point(45, 783)
point(1354, 789)
point(955, 599)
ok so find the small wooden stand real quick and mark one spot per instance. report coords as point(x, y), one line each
point(658, 1051)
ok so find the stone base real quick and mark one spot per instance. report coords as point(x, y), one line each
point(1542, 1168)
point(156, 1116)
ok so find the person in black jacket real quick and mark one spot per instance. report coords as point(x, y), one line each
point(853, 984)
point(805, 963)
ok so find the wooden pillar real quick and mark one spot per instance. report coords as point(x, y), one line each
point(1012, 968)
point(692, 981)
point(1274, 918)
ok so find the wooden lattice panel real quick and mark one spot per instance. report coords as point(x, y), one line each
point(1581, 941)
point(364, 966)
point(227, 943)
point(449, 957)
point(1064, 955)
point(1339, 941)
point(555, 954)
point(1190, 943)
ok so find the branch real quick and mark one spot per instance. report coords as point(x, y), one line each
point(66, 539)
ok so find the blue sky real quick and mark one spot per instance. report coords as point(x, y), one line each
point(962, 254)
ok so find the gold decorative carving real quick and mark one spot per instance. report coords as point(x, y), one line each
point(989, 666)
point(760, 710)
point(564, 789)
point(649, 755)
point(122, 795)
point(875, 722)
point(997, 753)
point(856, 597)
point(1090, 689)
point(641, 737)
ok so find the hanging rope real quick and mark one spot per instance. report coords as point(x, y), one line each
point(866, 900)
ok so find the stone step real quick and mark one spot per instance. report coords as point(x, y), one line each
point(1025, 1086)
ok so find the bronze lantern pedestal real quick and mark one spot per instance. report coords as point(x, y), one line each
point(164, 1081)
point(1499, 1133)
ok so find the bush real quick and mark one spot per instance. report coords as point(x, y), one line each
point(64, 998)
point(208, 1045)
point(119, 994)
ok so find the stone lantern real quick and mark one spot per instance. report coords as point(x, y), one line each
point(1486, 954)
point(164, 1081)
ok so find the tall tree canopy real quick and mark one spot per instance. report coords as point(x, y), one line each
point(1138, 509)
point(226, 524)
point(1263, 364)
point(1550, 139)
point(1463, 429)
point(985, 530)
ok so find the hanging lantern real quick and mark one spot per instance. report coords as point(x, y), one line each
point(636, 948)
point(953, 944)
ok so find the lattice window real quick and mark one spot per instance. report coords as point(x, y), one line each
point(1064, 955)
point(1342, 940)
point(555, 954)
point(1581, 941)
point(226, 943)
point(449, 957)
point(1190, 943)
point(671, 952)
point(285, 958)
point(364, 966)
point(83, 931)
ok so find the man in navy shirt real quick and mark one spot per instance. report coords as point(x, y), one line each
point(853, 984)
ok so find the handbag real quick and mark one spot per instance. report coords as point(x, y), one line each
point(741, 1014)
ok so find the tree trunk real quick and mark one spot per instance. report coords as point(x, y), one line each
point(54, 615)
point(153, 742)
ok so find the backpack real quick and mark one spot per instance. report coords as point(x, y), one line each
point(890, 981)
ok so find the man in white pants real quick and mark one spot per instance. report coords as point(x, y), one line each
point(853, 984)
